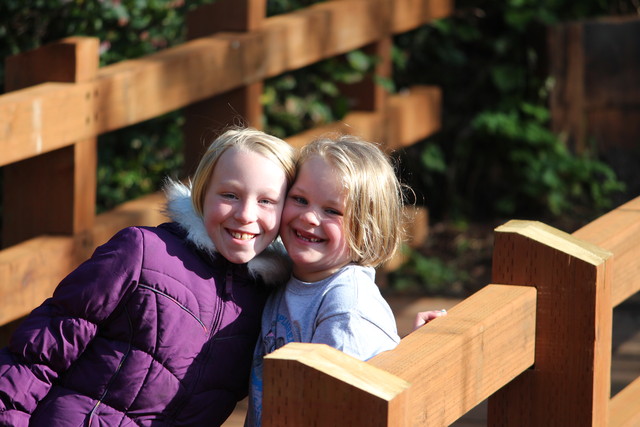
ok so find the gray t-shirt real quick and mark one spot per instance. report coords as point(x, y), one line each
point(345, 311)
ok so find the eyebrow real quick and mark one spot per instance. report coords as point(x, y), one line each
point(236, 183)
point(331, 202)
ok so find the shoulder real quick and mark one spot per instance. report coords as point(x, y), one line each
point(139, 235)
point(352, 281)
point(348, 289)
point(131, 246)
point(122, 245)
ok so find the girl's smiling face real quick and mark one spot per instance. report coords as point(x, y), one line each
point(312, 221)
point(243, 204)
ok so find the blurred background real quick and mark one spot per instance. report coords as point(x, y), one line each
point(507, 147)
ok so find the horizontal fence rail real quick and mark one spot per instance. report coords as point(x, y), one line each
point(53, 115)
point(433, 377)
point(538, 346)
point(537, 343)
point(50, 120)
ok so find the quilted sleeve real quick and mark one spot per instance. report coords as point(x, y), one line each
point(56, 333)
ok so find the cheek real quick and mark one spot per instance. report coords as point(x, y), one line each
point(336, 232)
point(271, 221)
point(287, 213)
point(214, 214)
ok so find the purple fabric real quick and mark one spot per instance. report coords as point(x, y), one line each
point(143, 333)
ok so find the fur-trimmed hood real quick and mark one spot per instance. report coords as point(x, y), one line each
point(273, 265)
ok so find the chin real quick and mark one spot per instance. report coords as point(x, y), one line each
point(240, 258)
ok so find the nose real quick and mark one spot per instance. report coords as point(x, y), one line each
point(310, 217)
point(246, 213)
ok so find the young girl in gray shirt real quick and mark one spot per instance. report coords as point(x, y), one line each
point(342, 218)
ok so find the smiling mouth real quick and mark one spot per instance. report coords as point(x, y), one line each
point(241, 236)
point(307, 239)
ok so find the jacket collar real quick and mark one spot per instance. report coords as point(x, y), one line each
point(273, 265)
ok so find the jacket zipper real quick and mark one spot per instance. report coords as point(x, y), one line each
point(215, 321)
point(228, 284)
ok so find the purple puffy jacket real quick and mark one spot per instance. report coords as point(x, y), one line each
point(154, 329)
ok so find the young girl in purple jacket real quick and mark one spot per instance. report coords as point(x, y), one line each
point(158, 326)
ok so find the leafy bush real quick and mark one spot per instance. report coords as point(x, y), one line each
point(428, 274)
point(310, 96)
point(495, 154)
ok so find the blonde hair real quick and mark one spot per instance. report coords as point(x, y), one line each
point(373, 214)
point(247, 139)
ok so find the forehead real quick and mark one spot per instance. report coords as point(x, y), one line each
point(246, 165)
point(319, 177)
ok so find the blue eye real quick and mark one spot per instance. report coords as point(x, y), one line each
point(299, 200)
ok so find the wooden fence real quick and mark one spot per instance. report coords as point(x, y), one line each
point(537, 344)
point(60, 100)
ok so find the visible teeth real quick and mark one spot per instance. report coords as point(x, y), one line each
point(307, 239)
point(241, 236)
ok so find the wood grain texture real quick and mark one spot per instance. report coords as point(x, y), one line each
point(53, 115)
point(619, 232)
point(457, 361)
point(624, 408)
point(314, 384)
point(434, 376)
point(55, 192)
point(570, 382)
point(30, 271)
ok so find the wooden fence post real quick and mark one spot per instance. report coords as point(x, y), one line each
point(570, 381)
point(314, 384)
point(238, 106)
point(53, 193)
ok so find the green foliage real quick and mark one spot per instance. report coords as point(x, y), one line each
point(422, 274)
point(126, 28)
point(311, 96)
point(495, 154)
point(530, 168)
point(135, 160)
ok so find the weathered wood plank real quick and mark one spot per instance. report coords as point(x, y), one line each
point(455, 362)
point(410, 14)
point(61, 184)
point(366, 125)
point(314, 384)
point(225, 15)
point(44, 118)
point(30, 271)
point(72, 59)
point(619, 232)
point(413, 116)
point(624, 406)
point(50, 116)
point(573, 327)
point(595, 66)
